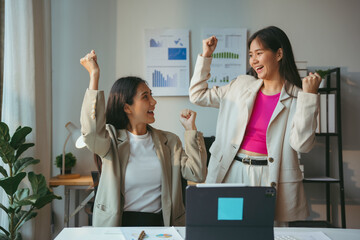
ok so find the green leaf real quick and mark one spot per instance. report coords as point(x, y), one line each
point(6, 152)
point(10, 184)
point(22, 163)
point(4, 132)
point(18, 236)
point(31, 200)
point(5, 231)
point(23, 148)
point(18, 216)
point(48, 198)
point(21, 194)
point(22, 197)
point(4, 237)
point(4, 208)
point(38, 183)
point(3, 171)
point(19, 137)
point(323, 73)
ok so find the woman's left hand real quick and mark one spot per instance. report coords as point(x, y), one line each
point(187, 119)
point(311, 83)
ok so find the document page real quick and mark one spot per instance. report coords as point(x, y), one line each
point(152, 233)
point(300, 236)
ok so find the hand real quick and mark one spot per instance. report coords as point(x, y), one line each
point(311, 83)
point(187, 119)
point(209, 46)
point(90, 63)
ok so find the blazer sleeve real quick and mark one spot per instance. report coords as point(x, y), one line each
point(93, 122)
point(302, 136)
point(193, 158)
point(199, 92)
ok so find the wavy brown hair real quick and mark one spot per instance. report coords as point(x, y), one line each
point(273, 38)
point(122, 92)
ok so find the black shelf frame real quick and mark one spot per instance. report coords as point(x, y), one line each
point(327, 179)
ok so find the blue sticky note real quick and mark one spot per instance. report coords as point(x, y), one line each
point(230, 208)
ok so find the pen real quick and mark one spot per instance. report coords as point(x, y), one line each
point(142, 235)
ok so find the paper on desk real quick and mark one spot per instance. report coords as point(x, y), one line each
point(152, 233)
point(300, 236)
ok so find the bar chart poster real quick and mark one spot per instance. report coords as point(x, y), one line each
point(229, 57)
point(167, 61)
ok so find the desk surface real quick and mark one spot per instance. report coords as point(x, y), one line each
point(81, 181)
point(90, 233)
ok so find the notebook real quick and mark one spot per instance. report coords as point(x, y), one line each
point(229, 211)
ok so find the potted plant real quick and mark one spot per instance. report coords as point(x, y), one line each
point(70, 161)
point(23, 202)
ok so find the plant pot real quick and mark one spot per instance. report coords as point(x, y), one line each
point(67, 171)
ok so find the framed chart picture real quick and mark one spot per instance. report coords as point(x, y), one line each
point(167, 61)
point(229, 58)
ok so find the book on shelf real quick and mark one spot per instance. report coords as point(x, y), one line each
point(331, 113)
point(326, 122)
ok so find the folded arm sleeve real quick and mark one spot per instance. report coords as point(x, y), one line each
point(199, 92)
point(193, 158)
point(302, 136)
point(93, 122)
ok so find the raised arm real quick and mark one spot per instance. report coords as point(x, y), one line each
point(302, 137)
point(193, 159)
point(93, 120)
point(199, 93)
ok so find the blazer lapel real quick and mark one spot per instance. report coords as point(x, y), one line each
point(283, 101)
point(164, 156)
point(124, 149)
point(250, 101)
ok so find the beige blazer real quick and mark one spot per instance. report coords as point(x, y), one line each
point(291, 129)
point(113, 147)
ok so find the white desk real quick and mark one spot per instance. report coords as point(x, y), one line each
point(90, 233)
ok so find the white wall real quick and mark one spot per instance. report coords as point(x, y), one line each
point(77, 27)
point(323, 32)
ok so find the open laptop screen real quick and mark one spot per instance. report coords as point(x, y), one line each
point(217, 209)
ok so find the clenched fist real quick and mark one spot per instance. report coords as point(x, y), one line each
point(209, 46)
point(187, 119)
point(311, 83)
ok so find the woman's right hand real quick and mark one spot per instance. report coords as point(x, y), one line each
point(89, 62)
point(209, 46)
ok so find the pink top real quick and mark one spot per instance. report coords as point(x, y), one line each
point(255, 134)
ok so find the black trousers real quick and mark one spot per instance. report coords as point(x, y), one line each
point(131, 219)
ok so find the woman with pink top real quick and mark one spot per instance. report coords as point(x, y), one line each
point(263, 121)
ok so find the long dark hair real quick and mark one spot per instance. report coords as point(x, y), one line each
point(274, 38)
point(123, 91)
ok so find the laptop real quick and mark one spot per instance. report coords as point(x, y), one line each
point(229, 211)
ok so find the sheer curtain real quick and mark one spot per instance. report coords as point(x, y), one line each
point(27, 89)
point(1, 49)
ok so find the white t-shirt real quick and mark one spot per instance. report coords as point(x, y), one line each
point(142, 176)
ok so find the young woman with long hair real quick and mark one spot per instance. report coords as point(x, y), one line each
point(142, 167)
point(264, 120)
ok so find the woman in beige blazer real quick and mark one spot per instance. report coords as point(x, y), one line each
point(291, 126)
point(140, 182)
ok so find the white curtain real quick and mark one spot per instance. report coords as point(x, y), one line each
point(26, 90)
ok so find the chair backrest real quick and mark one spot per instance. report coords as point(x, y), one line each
point(208, 142)
point(96, 174)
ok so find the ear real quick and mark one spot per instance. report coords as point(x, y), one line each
point(127, 108)
point(279, 54)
